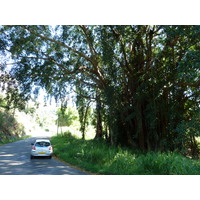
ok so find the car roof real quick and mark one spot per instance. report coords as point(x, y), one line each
point(42, 140)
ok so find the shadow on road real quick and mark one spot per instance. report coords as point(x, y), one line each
point(15, 160)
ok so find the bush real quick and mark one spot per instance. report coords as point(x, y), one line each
point(188, 132)
point(122, 163)
point(98, 157)
point(9, 127)
point(166, 163)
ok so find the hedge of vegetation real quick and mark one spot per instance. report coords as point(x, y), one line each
point(10, 129)
point(98, 157)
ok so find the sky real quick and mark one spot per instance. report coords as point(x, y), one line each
point(42, 98)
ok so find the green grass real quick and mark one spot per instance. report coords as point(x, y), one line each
point(98, 157)
point(6, 141)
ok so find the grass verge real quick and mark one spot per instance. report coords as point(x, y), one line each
point(14, 140)
point(98, 157)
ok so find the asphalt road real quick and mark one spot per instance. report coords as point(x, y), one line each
point(15, 160)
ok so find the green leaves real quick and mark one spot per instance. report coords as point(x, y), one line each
point(152, 70)
point(98, 157)
point(67, 117)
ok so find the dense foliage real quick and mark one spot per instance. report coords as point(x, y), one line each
point(9, 127)
point(9, 86)
point(143, 79)
point(98, 157)
point(66, 117)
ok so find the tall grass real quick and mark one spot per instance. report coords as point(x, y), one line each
point(100, 158)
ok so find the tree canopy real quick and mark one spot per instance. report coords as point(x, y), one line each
point(144, 79)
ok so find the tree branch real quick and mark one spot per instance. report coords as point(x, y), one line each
point(84, 96)
point(52, 60)
point(89, 40)
point(59, 43)
point(93, 61)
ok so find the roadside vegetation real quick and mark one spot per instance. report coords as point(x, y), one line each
point(10, 129)
point(6, 141)
point(98, 157)
point(137, 86)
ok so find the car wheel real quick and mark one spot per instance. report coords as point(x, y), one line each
point(32, 157)
point(50, 157)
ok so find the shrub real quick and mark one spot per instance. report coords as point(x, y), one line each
point(98, 157)
point(166, 163)
point(9, 127)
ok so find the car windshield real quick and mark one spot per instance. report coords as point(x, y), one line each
point(42, 144)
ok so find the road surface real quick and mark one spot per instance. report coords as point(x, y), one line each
point(15, 160)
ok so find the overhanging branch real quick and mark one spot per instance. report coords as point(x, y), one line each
point(59, 43)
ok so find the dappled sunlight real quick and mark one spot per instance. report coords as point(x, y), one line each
point(41, 121)
point(7, 155)
point(16, 163)
point(15, 160)
point(101, 90)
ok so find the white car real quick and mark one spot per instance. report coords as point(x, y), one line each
point(41, 147)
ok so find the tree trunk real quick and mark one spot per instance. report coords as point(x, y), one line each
point(99, 129)
point(85, 120)
point(141, 136)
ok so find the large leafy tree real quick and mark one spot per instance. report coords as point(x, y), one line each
point(144, 79)
point(12, 97)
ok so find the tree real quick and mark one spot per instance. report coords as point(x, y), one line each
point(13, 98)
point(146, 77)
point(66, 117)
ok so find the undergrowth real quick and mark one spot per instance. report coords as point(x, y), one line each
point(100, 158)
point(9, 126)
